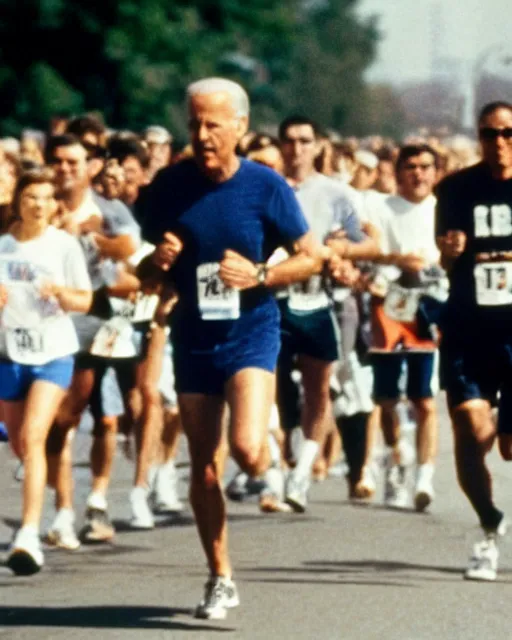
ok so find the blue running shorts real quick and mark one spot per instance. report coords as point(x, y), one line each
point(16, 379)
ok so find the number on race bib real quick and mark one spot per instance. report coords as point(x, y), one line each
point(28, 341)
point(216, 301)
point(493, 284)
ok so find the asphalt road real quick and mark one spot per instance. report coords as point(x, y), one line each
point(338, 571)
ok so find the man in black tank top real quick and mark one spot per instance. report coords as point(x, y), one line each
point(474, 234)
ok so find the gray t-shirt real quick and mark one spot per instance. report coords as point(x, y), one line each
point(326, 208)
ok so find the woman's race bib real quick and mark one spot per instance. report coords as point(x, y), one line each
point(493, 284)
point(216, 301)
point(401, 304)
point(115, 339)
point(142, 309)
point(53, 338)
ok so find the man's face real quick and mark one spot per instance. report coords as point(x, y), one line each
point(214, 130)
point(299, 148)
point(71, 168)
point(417, 176)
point(494, 132)
point(386, 180)
point(364, 178)
point(160, 154)
point(134, 177)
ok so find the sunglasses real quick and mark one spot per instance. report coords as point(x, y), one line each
point(488, 133)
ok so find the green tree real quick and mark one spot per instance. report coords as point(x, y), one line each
point(132, 59)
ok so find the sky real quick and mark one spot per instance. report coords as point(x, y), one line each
point(465, 29)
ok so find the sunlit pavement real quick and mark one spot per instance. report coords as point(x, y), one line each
point(338, 571)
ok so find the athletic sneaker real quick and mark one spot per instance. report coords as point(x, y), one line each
point(396, 495)
point(62, 534)
point(483, 564)
point(25, 555)
point(165, 490)
point(296, 494)
point(424, 491)
point(220, 594)
point(98, 527)
point(237, 487)
point(142, 517)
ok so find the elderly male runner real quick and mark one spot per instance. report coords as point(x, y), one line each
point(216, 219)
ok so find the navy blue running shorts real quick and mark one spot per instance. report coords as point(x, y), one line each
point(206, 369)
point(388, 369)
point(479, 368)
point(311, 333)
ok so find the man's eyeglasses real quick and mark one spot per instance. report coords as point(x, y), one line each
point(488, 133)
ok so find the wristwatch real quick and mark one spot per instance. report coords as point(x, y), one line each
point(261, 274)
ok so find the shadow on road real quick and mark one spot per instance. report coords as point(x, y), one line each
point(367, 572)
point(112, 617)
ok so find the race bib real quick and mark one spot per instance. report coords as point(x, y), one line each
point(307, 302)
point(216, 301)
point(401, 304)
point(493, 284)
point(53, 338)
point(144, 308)
point(308, 296)
point(114, 340)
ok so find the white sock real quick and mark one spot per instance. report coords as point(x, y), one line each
point(152, 473)
point(97, 500)
point(308, 453)
point(426, 471)
point(30, 529)
point(275, 451)
point(142, 491)
point(169, 466)
point(274, 482)
point(66, 513)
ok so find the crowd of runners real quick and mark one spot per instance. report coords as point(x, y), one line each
point(244, 290)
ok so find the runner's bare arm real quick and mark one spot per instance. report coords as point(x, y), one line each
point(69, 299)
point(118, 248)
point(367, 249)
point(308, 259)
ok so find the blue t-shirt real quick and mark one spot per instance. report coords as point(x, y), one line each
point(252, 213)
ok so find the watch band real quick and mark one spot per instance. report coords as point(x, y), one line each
point(261, 274)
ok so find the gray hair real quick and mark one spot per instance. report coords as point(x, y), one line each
point(238, 95)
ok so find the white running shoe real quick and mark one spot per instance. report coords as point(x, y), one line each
point(61, 533)
point(220, 594)
point(237, 487)
point(25, 554)
point(483, 564)
point(165, 494)
point(142, 518)
point(424, 491)
point(396, 495)
point(296, 494)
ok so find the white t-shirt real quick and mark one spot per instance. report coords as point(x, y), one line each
point(35, 331)
point(409, 227)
